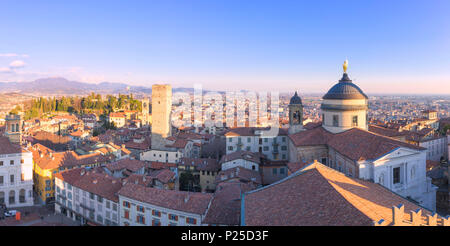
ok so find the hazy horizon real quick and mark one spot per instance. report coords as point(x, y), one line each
point(400, 47)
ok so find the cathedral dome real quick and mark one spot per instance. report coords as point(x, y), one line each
point(295, 99)
point(345, 89)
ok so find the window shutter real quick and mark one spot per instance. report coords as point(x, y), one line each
point(195, 221)
point(137, 218)
point(176, 217)
point(143, 220)
point(187, 220)
point(153, 222)
point(153, 212)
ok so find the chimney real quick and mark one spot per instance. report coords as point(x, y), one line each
point(432, 219)
point(416, 217)
point(398, 214)
point(381, 222)
point(82, 172)
point(94, 181)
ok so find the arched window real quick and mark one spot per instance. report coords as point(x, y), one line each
point(22, 196)
point(12, 197)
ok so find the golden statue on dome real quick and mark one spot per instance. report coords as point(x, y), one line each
point(345, 66)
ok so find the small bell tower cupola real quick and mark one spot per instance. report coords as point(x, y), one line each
point(295, 114)
point(13, 128)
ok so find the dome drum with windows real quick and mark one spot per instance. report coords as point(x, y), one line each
point(344, 106)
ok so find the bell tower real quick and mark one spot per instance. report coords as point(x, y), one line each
point(13, 128)
point(295, 114)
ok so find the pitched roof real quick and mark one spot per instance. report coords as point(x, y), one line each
point(202, 164)
point(315, 136)
point(356, 144)
point(225, 207)
point(245, 155)
point(191, 202)
point(242, 174)
point(93, 181)
point(66, 159)
point(319, 195)
point(130, 164)
point(6, 147)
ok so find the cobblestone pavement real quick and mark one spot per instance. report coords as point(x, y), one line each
point(38, 215)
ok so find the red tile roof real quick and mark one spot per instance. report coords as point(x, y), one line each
point(239, 173)
point(245, 155)
point(201, 164)
point(190, 202)
point(225, 207)
point(319, 195)
point(130, 164)
point(6, 147)
point(355, 143)
point(94, 181)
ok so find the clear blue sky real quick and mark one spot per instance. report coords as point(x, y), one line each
point(403, 45)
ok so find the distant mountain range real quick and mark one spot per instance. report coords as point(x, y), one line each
point(62, 86)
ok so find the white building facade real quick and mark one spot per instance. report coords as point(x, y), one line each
point(16, 179)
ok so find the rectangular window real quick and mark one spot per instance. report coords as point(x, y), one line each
point(249, 140)
point(126, 204)
point(156, 222)
point(281, 170)
point(140, 209)
point(173, 217)
point(274, 171)
point(355, 121)
point(11, 179)
point(140, 219)
point(191, 221)
point(156, 213)
point(11, 162)
point(335, 120)
point(1, 163)
point(1, 180)
point(396, 175)
point(126, 214)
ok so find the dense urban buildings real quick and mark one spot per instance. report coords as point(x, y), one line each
point(127, 164)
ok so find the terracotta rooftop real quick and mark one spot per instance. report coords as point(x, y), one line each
point(356, 144)
point(190, 202)
point(225, 207)
point(245, 155)
point(6, 147)
point(239, 173)
point(129, 164)
point(202, 164)
point(66, 159)
point(93, 181)
point(317, 196)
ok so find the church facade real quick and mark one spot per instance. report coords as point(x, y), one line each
point(344, 143)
